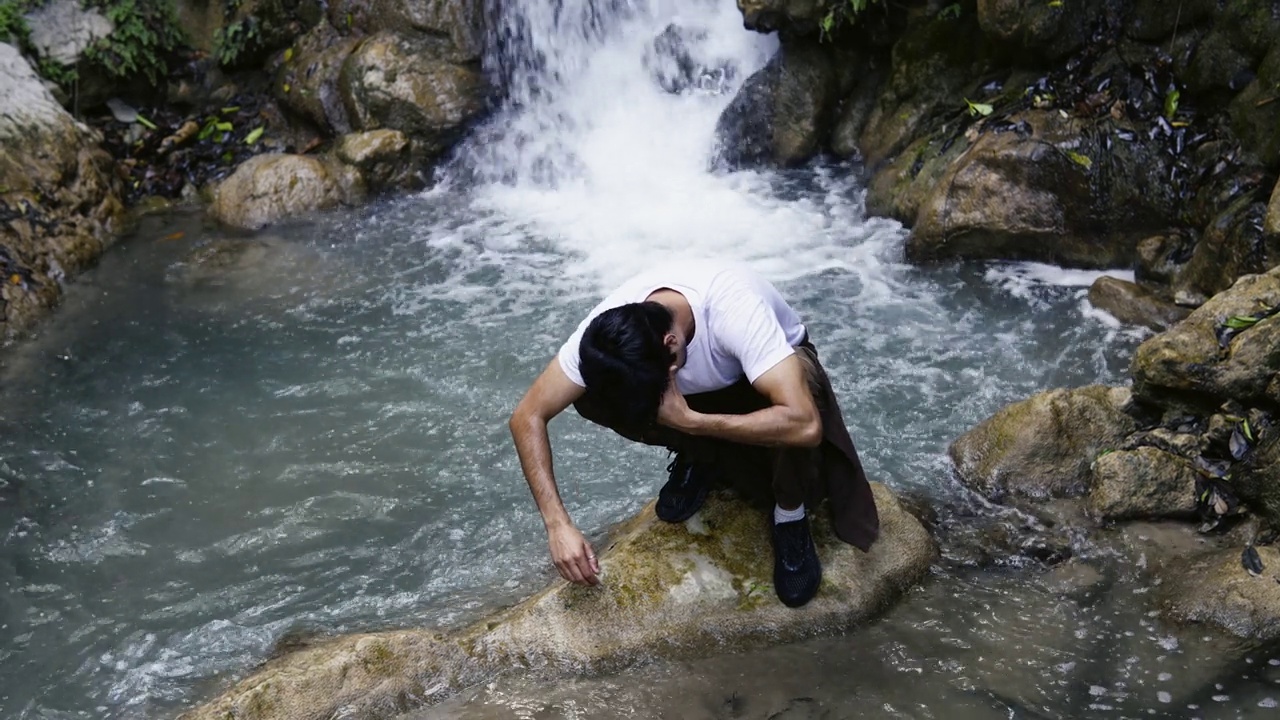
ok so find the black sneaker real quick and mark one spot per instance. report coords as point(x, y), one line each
point(685, 491)
point(796, 570)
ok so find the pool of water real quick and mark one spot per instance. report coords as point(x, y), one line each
point(220, 442)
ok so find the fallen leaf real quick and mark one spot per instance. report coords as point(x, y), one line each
point(253, 135)
point(1081, 160)
point(173, 236)
point(1251, 562)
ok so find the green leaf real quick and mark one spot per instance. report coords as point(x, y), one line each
point(230, 109)
point(1240, 322)
point(225, 126)
point(1055, 3)
point(1171, 104)
point(976, 109)
point(1081, 160)
point(1248, 432)
point(146, 123)
point(253, 135)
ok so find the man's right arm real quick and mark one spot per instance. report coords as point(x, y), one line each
point(549, 395)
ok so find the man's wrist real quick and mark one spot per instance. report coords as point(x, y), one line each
point(692, 423)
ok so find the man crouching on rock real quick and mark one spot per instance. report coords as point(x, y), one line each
point(710, 362)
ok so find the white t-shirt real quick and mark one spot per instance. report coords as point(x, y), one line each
point(742, 326)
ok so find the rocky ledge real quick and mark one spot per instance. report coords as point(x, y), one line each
point(684, 590)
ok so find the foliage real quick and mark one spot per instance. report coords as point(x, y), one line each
point(146, 34)
point(13, 26)
point(232, 41)
point(844, 12)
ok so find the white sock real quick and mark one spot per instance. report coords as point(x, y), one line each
point(781, 516)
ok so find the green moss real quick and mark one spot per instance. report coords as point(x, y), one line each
point(378, 659)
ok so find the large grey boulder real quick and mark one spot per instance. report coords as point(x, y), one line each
point(1042, 447)
point(271, 187)
point(677, 591)
point(57, 191)
point(419, 85)
point(782, 114)
point(1199, 363)
point(61, 30)
point(1040, 192)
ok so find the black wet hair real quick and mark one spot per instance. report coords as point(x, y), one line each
point(624, 361)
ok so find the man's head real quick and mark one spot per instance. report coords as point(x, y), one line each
point(626, 357)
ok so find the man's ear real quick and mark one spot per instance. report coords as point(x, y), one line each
point(673, 345)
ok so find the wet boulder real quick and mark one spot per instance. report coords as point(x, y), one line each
point(781, 115)
point(771, 15)
point(1044, 29)
point(678, 61)
point(900, 187)
point(1203, 360)
point(59, 199)
point(1145, 483)
point(1133, 304)
point(1257, 479)
point(1039, 191)
point(461, 21)
point(1272, 224)
point(419, 85)
point(1234, 244)
point(929, 75)
point(307, 81)
point(1160, 258)
point(1255, 112)
point(1042, 447)
point(1215, 589)
point(271, 187)
point(685, 590)
point(384, 158)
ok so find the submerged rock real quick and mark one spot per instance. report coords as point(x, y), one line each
point(668, 590)
point(1134, 305)
point(1146, 483)
point(1042, 447)
point(271, 187)
point(1214, 588)
point(1201, 362)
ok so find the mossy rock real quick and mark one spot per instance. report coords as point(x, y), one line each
point(1234, 244)
point(1255, 112)
point(1146, 483)
point(1043, 447)
point(667, 590)
point(1187, 366)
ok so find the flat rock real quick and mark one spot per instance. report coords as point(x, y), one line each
point(1133, 304)
point(270, 187)
point(1215, 589)
point(684, 590)
point(1146, 483)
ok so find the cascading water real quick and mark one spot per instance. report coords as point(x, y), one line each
point(196, 463)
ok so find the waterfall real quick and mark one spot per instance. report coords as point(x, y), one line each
point(604, 140)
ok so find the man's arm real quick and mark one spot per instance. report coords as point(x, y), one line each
point(549, 395)
point(792, 418)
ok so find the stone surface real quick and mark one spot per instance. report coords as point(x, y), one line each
point(1161, 257)
point(1272, 226)
point(1255, 112)
point(679, 591)
point(1146, 483)
point(1232, 245)
point(383, 157)
point(461, 21)
point(1042, 447)
point(271, 187)
point(1257, 479)
point(781, 116)
point(1041, 28)
point(1214, 589)
point(59, 199)
point(1041, 194)
point(418, 85)
point(1134, 305)
point(307, 83)
point(1187, 366)
point(61, 30)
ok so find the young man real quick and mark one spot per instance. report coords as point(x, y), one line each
point(710, 362)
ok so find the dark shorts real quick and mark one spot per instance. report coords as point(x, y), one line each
point(786, 475)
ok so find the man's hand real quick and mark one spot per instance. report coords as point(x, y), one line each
point(674, 412)
point(573, 555)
